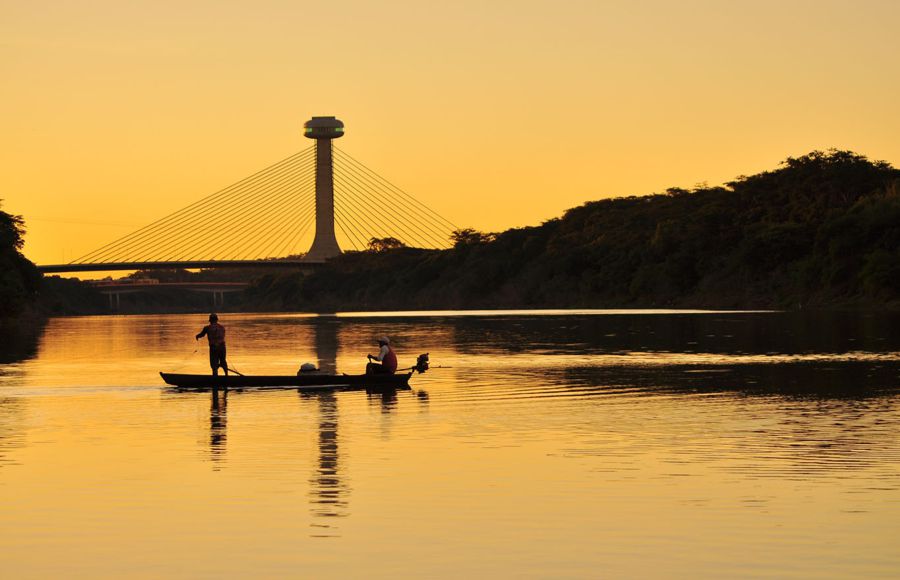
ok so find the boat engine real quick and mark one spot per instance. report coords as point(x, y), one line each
point(422, 363)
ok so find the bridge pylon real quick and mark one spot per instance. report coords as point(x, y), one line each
point(324, 130)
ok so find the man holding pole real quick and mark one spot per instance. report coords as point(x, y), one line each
point(215, 334)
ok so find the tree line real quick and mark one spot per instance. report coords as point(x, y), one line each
point(19, 279)
point(821, 230)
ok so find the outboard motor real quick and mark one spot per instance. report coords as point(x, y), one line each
point(422, 363)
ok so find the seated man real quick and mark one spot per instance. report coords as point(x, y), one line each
point(386, 359)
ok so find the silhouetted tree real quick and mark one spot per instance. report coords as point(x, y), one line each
point(19, 278)
point(469, 236)
point(383, 244)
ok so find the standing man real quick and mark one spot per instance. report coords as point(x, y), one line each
point(215, 333)
point(386, 359)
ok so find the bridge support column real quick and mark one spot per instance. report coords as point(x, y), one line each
point(324, 130)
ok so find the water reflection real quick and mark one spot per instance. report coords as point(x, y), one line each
point(328, 490)
point(327, 343)
point(19, 341)
point(385, 398)
point(847, 379)
point(12, 413)
point(726, 333)
point(704, 432)
point(821, 438)
point(218, 426)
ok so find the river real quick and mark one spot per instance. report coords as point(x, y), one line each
point(541, 444)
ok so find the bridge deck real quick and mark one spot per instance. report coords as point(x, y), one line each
point(117, 266)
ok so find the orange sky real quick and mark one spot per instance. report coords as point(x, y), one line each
point(495, 114)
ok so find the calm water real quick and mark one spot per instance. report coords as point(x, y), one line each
point(561, 444)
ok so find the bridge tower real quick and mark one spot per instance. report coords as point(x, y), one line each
point(323, 130)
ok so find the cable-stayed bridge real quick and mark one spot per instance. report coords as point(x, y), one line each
point(290, 214)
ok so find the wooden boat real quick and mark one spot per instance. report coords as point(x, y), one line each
point(303, 382)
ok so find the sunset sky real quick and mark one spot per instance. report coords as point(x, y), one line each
point(494, 113)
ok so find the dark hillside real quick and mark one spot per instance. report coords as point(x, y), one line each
point(821, 230)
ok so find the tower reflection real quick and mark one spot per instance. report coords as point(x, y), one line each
point(328, 490)
point(325, 330)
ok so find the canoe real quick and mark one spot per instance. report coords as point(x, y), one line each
point(306, 382)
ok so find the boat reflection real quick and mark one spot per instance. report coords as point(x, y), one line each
point(387, 398)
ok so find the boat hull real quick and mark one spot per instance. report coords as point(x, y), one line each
point(310, 382)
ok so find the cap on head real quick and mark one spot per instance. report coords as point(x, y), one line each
point(384, 340)
point(213, 318)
